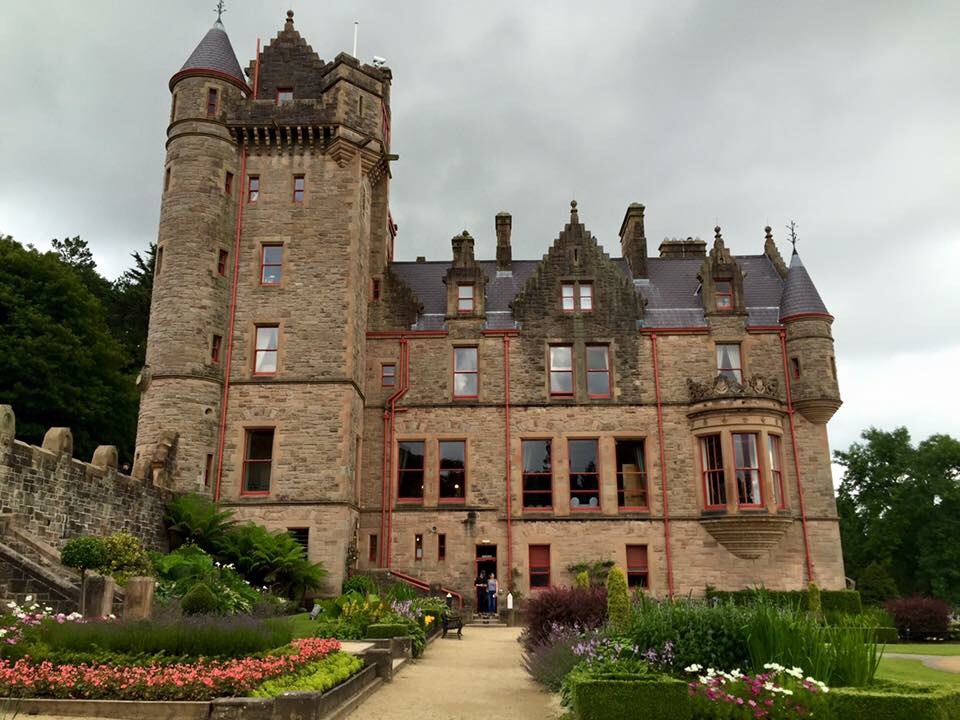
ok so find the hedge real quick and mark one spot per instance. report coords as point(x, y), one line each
point(845, 601)
point(387, 630)
point(620, 697)
point(889, 701)
point(887, 635)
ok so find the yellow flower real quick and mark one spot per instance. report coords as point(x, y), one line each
point(428, 619)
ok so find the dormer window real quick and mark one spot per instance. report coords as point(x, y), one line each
point(465, 298)
point(723, 293)
point(284, 95)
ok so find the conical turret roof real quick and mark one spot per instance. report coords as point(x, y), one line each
point(800, 296)
point(214, 56)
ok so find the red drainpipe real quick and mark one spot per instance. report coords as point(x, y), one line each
point(663, 464)
point(506, 445)
point(225, 399)
point(796, 459)
point(387, 446)
point(404, 385)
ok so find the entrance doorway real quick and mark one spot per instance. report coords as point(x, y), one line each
point(487, 560)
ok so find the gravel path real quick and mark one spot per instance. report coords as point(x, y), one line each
point(477, 678)
point(947, 663)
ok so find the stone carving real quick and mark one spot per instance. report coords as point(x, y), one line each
point(723, 387)
point(105, 456)
point(8, 425)
point(59, 441)
point(748, 536)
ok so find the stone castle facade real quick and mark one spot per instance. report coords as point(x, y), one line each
point(667, 412)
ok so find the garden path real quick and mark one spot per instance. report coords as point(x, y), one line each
point(935, 662)
point(479, 677)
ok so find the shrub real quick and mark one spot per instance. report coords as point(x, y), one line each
point(618, 600)
point(199, 600)
point(316, 677)
point(876, 585)
point(619, 697)
point(596, 571)
point(188, 565)
point(125, 557)
point(362, 584)
point(920, 618)
point(194, 518)
point(551, 660)
point(889, 701)
point(84, 553)
point(847, 601)
point(582, 581)
point(559, 606)
point(400, 591)
point(814, 601)
point(386, 630)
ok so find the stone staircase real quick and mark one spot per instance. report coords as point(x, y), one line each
point(31, 568)
point(485, 620)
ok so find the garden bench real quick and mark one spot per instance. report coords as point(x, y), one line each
point(452, 619)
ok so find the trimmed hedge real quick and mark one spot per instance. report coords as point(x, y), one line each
point(889, 701)
point(845, 601)
point(621, 697)
point(387, 630)
point(887, 635)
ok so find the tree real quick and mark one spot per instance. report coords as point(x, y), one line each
point(899, 506)
point(130, 311)
point(875, 585)
point(618, 600)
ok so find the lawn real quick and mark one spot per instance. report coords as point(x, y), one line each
point(303, 626)
point(924, 648)
point(914, 671)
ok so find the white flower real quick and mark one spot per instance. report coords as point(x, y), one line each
point(12, 605)
point(694, 668)
point(795, 672)
point(3, 632)
point(28, 598)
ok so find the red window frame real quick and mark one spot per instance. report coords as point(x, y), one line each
point(465, 300)
point(586, 296)
point(213, 102)
point(562, 371)
point(539, 556)
point(595, 474)
point(601, 371)
point(641, 472)
point(568, 297)
point(723, 295)
point(418, 547)
point(388, 375)
point(253, 188)
point(265, 350)
point(737, 369)
point(775, 455)
point(525, 474)
point(402, 471)
point(713, 475)
point(457, 371)
point(299, 188)
point(441, 547)
point(248, 461)
point(795, 367)
point(638, 566)
point(208, 470)
point(264, 265)
point(228, 183)
point(166, 179)
point(215, 348)
point(283, 91)
point(372, 547)
point(222, 262)
point(744, 472)
point(451, 499)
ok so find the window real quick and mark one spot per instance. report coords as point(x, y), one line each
point(833, 367)
point(567, 297)
point(212, 102)
point(586, 297)
point(222, 262)
point(418, 547)
point(302, 536)
point(714, 479)
point(776, 470)
point(376, 289)
point(537, 475)
point(584, 475)
point(795, 366)
point(561, 370)
point(598, 371)
point(158, 263)
point(253, 188)
point(464, 298)
point(372, 548)
point(257, 460)
point(747, 465)
point(215, 348)
point(441, 547)
point(271, 264)
point(453, 470)
point(166, 180)
point(208, 471)
point(410, 470)
point(388, 375)
point(723, 292)
point(228, 183)
point(299, 186)
point(265, 358)
point(284, 95)
point(465, 372)
point(637, 568)
point(539, 566)
point(728, 362)
point(631, 474)
point(173, 108)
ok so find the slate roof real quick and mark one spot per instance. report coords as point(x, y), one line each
point(671, 291)
point(215, 53)
point(799, 294)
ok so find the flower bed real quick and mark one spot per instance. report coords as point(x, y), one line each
point(200, 680)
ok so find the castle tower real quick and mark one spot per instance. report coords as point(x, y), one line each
point(810, 355)
point(181, 384)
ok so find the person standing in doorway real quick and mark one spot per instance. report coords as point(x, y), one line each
point(481, 585)
point(492, 594)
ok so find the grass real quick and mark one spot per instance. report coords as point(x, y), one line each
point(303, 626)
point(942, 649)
point(898, 670)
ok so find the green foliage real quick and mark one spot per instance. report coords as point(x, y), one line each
point(197, 520)
point(814, 602)
point(843, 601)
point(126, 557)
point(876, 585)
point(899, 506)
point(400, 591)
point(618, 600)
point(618, 697)
point(888, 701)
point(199, 600)
point(84, 553)
point(188, 565)
point(362, 584)
point(596, 571)
point(315, 677)
point(386, 630)
point(582, 580)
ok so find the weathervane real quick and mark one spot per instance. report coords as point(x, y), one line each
point(792, 227)
point(220, 10)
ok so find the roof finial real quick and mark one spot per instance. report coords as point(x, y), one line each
point(574, 218)
point(220, 11)
point(768, 233)
point(716, 233)
point(792, 227)
point(289, 24)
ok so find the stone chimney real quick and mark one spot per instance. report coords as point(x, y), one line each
point(633, 240)
point(504, 223)
point(462, 250)
point(691, 247)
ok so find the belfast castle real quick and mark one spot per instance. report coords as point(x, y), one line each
point(664, 407)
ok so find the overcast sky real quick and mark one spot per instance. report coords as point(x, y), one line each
point(844, 117)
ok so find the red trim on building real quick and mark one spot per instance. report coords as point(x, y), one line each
point(806, 315)
point(675, 331)
point(507, 455)
point(211, 73)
